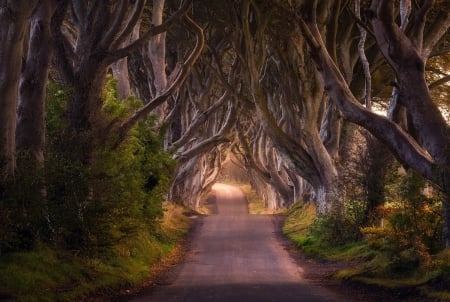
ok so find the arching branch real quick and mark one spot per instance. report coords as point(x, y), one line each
point(170, 91)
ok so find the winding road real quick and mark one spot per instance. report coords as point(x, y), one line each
point(237, 257)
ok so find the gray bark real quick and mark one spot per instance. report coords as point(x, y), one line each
point(429, 157)
point(14, 21)
point(30, 131)
point(120, 72)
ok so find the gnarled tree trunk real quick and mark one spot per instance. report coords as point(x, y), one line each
point(30, 131)
point(14, 20)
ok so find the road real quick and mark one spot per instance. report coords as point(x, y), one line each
point(237, 257)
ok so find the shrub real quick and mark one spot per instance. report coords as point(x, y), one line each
point(335, 230)
point(411, 232)
point(93, 207)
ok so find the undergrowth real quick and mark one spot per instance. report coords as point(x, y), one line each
point(46, 274)
point(382, 258)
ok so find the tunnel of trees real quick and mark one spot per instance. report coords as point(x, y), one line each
point(107, 108)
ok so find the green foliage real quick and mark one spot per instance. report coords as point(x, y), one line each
point(88, 198)
point(302, 226)
point(95, 206)
point(396, 258)
point(411, 231)
point(22, 207)
point(335, 230)
point(112, 106)
point(55, 275)
point(93, 218)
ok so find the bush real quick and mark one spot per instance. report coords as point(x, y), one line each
point(22, 207)
point(411, 231)
point(93, 206)
point(334, 230)
point(401, 255)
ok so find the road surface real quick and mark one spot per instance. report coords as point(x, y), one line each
point(236, 257)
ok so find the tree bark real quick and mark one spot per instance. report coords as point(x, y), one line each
point(30, 131)
point(14, 20)
point(120, 72)
point(429, 155)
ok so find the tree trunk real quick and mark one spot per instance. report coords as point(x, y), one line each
point(446, 220)
point(120, 72)
point(445, 210)
point(14, 19)
point(30, 131)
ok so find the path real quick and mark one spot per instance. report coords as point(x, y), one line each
point(236, 257)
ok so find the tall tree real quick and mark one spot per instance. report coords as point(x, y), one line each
point(406, 52)
point(14, 21)
point(87, 44)
point(30, 129)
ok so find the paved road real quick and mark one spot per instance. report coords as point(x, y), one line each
point(236, 257)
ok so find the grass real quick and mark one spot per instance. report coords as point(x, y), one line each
point(52, 275)
point(256, 205)
point(365, 265)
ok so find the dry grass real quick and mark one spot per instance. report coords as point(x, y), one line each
point(256, 206)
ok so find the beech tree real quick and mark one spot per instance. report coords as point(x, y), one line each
point(406, 53)
point(14, 18)
point(87, 45)
point(30, 128)
point(242, 82)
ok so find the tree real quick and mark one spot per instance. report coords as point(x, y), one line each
point(14, 18)
point(30, 128)
point(406, 53)
point(86, 45)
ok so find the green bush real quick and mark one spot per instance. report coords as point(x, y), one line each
point(411, 232)
point(92, 207)
point(335, 230)
point(22, 207)
point(75, 227)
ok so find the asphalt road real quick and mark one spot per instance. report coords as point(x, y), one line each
point(236, 257)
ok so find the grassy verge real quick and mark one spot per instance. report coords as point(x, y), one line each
point(50, 275)
point(367, 266)
point(256, 205)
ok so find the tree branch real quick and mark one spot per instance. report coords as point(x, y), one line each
point(80, 10)
point(114, 28)
point(439, 82)
point(435, 33)
point(131, 24)
point(62, 45)
point(404, 146)
point(153, 31)
point(171, 90)
point(199, 120)
point(215, 139)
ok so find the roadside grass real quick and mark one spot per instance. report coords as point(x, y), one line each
point(53, 275)
point(367, 266)
point(204, 207)
point(256, 206)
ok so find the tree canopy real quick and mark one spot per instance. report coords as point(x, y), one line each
point(276, 86)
